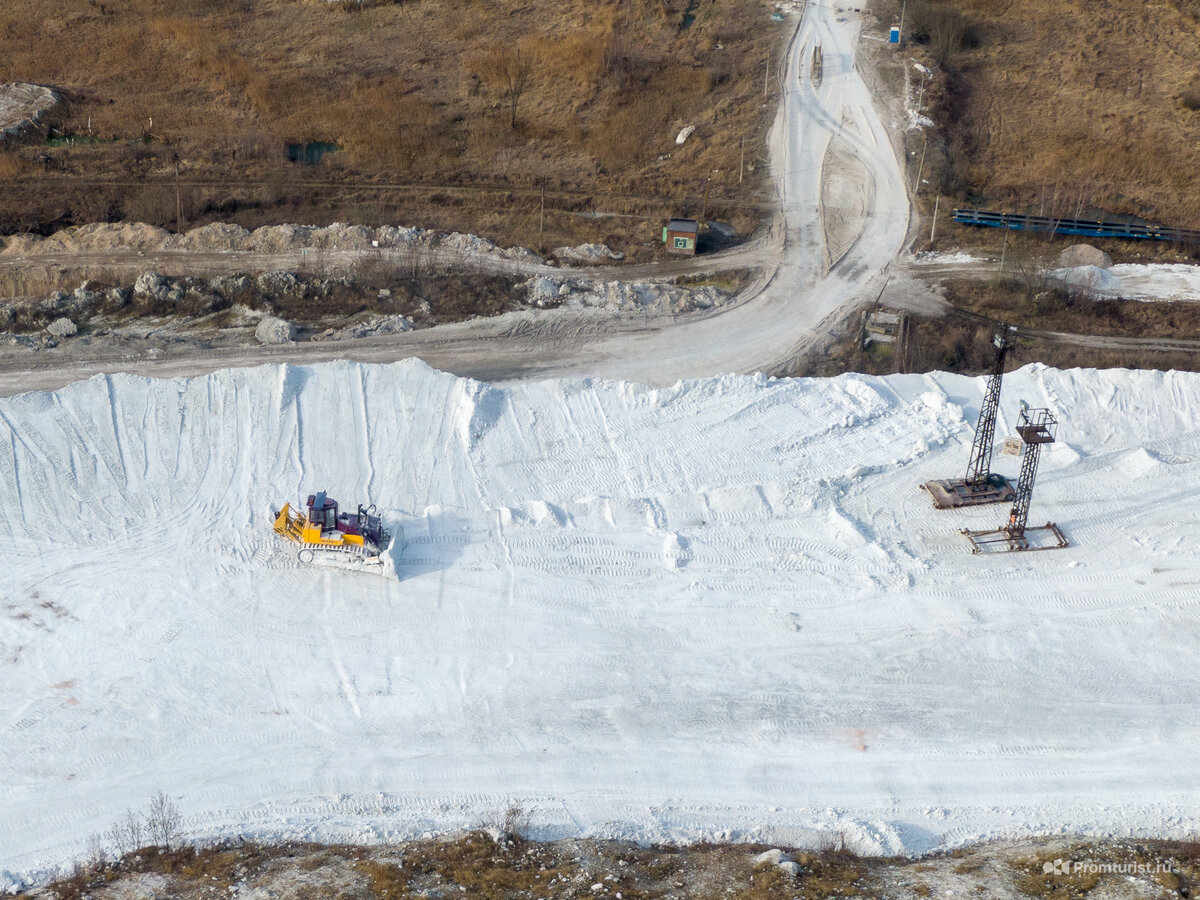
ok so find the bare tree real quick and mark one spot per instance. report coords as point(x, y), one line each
point(116, 836)
point(163, 821)
point(96, 855)
point(133, 830)
point(507, 71)
point(126, 836)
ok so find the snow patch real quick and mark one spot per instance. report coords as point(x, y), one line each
point(1159, 281)
point(954, 258)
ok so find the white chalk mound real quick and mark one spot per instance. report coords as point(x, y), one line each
point(273, 330)
point(588, 254)
point(62, 327)
point(1091, 280)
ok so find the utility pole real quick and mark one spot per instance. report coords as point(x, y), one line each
point(767, 73)
point(903, 7)
point(742, 163)
point(542, 213)
point(178, 203)
point(1003, 253)
point(933, 227)
point(921, 168)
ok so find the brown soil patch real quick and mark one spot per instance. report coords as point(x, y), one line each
point(181, 112)
point(1064, 108)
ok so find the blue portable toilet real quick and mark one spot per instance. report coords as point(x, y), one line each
point(894, 37)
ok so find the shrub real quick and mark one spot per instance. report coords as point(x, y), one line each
point(943, 27)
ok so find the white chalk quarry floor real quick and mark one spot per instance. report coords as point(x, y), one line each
point(721, 609)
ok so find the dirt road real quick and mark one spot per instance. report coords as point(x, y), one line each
point(777, 316)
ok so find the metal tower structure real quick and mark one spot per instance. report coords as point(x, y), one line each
point(981, 485)
point(1036, 428)
point(979, 468)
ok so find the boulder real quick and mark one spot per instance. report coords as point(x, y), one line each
point(151, 284)
point(228, 285)
point(770, 857)
point(272, 330)
point(541, 291)
point(393, 325)
point(57, 300)
point(62, 327)
point(1084, 255)
point(273, 284)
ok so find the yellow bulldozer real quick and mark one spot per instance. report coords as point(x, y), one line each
point(327, 537)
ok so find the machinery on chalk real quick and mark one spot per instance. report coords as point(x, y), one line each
point(328, 537)
point(1036, 427)
point(818, 65)
point(981, 485)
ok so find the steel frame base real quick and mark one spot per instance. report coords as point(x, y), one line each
point(1013, 540)
point(953, 494)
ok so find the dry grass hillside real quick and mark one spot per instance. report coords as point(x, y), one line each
point(1066, 106)
point(447, 113)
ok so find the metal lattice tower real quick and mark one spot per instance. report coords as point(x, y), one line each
point(1036, 428)
point(979, 468)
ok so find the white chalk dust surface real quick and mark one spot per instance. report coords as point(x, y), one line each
point(718, 609)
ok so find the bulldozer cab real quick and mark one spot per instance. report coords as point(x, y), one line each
point(322, 511)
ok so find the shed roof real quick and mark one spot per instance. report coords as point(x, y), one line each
point(688, 225)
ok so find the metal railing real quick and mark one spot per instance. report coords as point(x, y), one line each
point(1083, 227)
